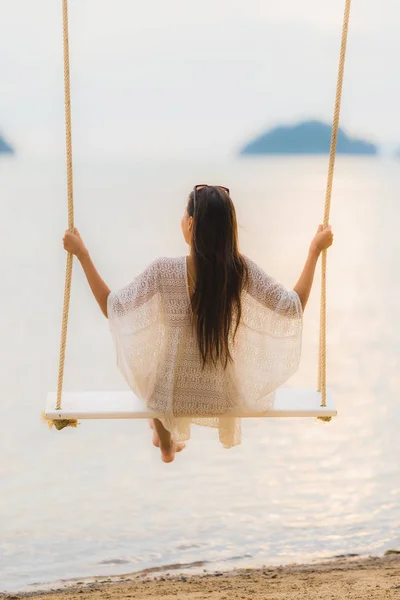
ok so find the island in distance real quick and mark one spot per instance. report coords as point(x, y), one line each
point(5, 148)
point(309, 137)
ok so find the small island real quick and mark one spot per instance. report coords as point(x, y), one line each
point(5, 148)
point(309, 137)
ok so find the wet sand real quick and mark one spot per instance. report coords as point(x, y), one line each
point(343, 578)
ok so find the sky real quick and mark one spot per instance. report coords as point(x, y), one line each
point(177, 78)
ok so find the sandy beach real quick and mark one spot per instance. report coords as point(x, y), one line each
point(347, 578)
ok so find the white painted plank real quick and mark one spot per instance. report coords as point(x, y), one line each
point(289, 402)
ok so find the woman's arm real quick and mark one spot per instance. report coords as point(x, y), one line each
point(73, 243)
point(304, 284)
point(322, 241)
point(99, 288)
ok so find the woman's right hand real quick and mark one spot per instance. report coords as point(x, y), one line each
point(74, 244)
point(323, 239)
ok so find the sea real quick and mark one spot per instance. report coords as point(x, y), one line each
point(98, 501)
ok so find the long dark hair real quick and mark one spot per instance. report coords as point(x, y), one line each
point(221, 273)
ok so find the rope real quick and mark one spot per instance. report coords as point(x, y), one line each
point(70, 192)
point(60, 424)
point(328, 198)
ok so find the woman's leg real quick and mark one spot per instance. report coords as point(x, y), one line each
point(163, 440)
point(156, 439)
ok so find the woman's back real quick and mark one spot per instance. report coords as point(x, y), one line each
point(158, 352)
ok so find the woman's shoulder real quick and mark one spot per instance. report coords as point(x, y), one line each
point(252, 267)
point(168, 262)
point(247, 260)
point(168, 266)
point(256, 275)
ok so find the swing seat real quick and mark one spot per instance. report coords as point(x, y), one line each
point(289, 402)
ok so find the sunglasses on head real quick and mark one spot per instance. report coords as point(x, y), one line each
point(197, 188)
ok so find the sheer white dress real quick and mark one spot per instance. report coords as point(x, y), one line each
point(157, 351)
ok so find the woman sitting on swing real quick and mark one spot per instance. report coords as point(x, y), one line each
point(203, 337)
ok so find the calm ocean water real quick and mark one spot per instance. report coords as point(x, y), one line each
point(98, 500)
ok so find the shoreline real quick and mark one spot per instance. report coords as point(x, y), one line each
point(344, 577)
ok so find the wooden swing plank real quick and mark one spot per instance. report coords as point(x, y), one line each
point(289, 402)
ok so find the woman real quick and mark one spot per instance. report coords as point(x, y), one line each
point(204, 338)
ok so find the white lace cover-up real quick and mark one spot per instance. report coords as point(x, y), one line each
point(157, 350)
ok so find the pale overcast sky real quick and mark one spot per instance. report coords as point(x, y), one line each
point(182, 77)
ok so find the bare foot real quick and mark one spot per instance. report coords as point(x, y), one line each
point(168, 452)
point(168, 447)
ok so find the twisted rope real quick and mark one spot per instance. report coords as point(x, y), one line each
point(70, 193)
point(328, 198)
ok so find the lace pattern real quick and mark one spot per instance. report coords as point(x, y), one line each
point(157, 352)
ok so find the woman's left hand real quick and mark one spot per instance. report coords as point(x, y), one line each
point(74, 244)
